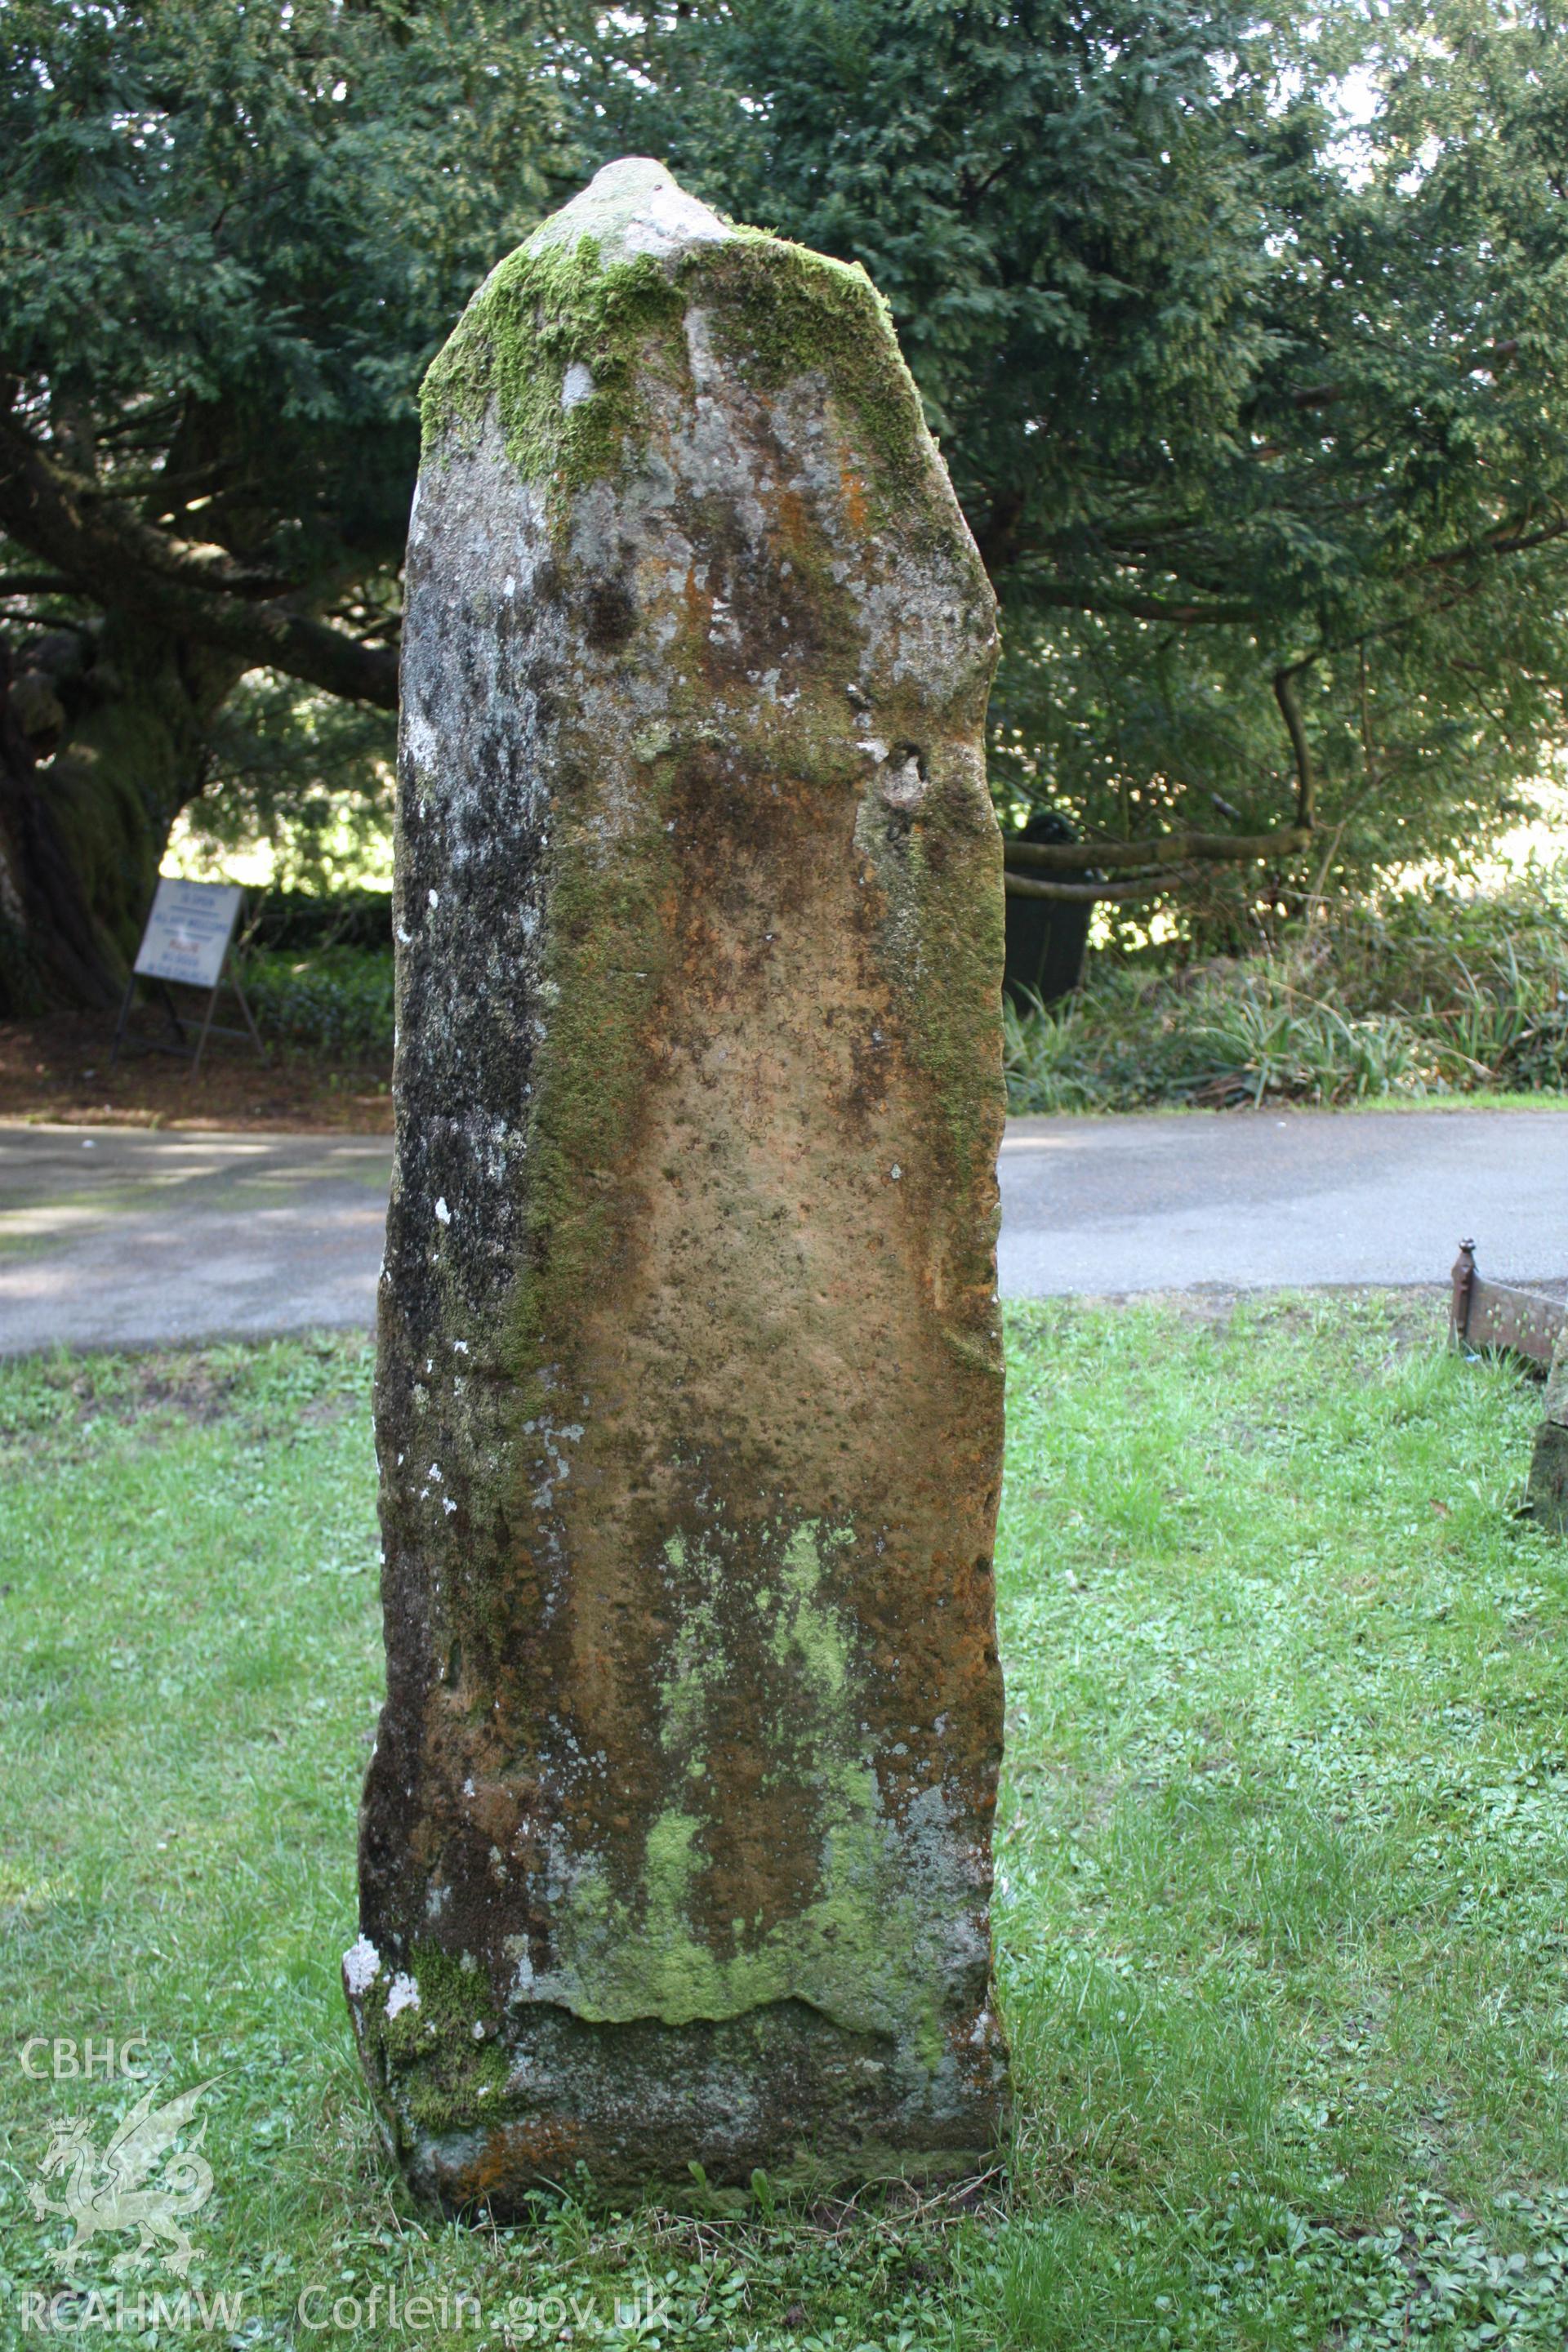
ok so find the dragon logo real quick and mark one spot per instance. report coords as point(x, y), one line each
point(105, 2193)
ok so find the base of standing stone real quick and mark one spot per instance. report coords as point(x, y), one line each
point(643, 2102)
point(1547, 1499)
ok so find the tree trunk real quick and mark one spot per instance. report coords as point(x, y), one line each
point(104, 742)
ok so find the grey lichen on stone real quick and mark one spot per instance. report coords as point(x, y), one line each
point(631, 208)
point(676, 1844)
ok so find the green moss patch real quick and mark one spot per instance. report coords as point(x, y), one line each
point(443, 2048)
point(778, 313)
point(538, 316)
point(781, 311)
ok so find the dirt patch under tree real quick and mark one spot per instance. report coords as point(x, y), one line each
point(59, 1069)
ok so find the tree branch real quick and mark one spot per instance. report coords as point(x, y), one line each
point(1218, 614)
point(111, 557)
point(1509, 539)
point(1326, 396)
point(1161, 849)
point(1089, 894)
point(1290, 711)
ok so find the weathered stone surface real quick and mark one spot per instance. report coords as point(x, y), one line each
point(675, 1841)
point(1547, 1496)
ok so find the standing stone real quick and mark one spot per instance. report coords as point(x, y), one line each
point(676, 1844)
point(1547, 1496)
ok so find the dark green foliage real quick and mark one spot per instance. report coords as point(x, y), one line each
point(1007, 176)
point(337, 1000)
point(1226, 390)
point(1229, 390)
point(231, 241)
point(1436, 991)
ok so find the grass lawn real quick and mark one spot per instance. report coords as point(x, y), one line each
point(1282, 1853)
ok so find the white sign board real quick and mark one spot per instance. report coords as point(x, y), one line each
point(188, 931)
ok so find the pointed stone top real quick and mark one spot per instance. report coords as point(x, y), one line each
point(633, 207)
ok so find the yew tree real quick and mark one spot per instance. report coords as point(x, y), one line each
point(1256, 406)
point(231, 237)
point(1258, 417)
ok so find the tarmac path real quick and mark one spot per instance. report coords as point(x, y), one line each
point(122, 1237)
point(126, 1238)
point(1266, 1198)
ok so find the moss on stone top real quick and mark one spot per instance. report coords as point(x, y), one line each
point(560, 335)
point(781, 311)
point(555, 341)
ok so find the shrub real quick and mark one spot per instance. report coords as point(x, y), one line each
point(336, 1001)
point(1433, 992)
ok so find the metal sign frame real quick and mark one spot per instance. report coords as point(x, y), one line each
point(227, 976)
